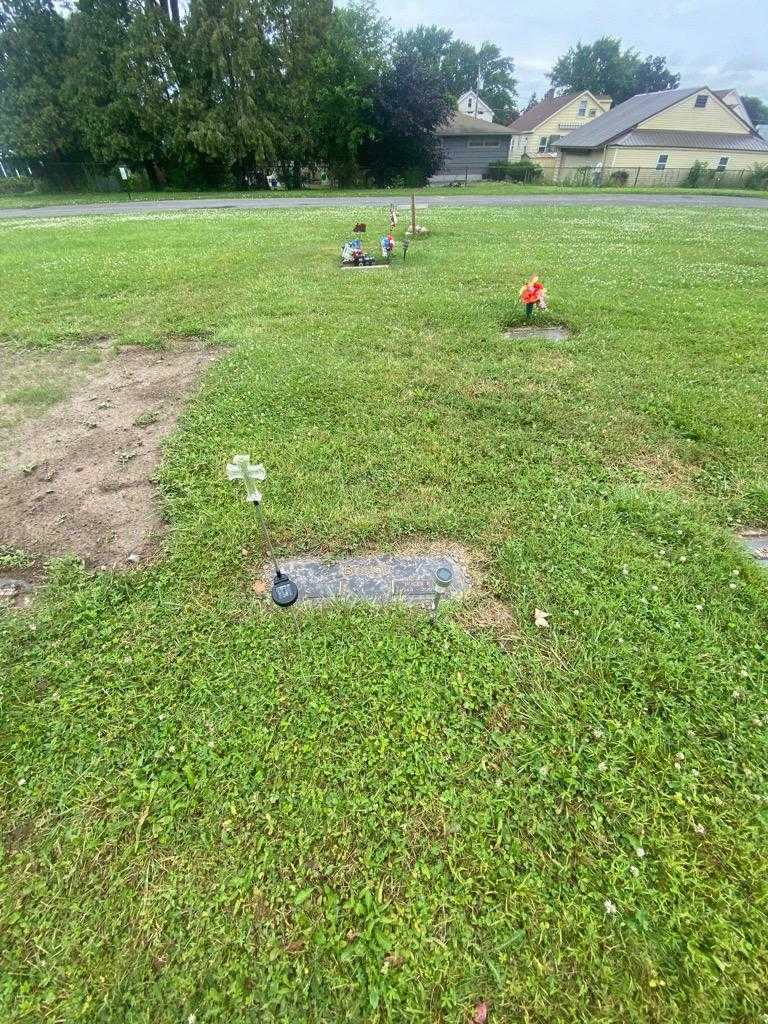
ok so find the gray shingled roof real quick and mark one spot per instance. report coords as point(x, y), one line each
point(692, 140)
point(622, 118)
point(463, 124)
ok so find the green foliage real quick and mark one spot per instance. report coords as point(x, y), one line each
point(35, 120)
point(408, 103)
point(14, 558)
point(699, 174)
point(207, 815)
point(756, 108)
point(603, 67)
point(756, 177)
point(231, 91)
point(520, 170)
point(16, 186)
point(619, 178)
point(464, 66)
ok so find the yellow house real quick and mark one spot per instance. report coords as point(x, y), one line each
point(537, 129)
point(656, 137)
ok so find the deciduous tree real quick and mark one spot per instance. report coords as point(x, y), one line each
point(603, 67)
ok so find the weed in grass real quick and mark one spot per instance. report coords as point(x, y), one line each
point(36, 395)
point(14, 558)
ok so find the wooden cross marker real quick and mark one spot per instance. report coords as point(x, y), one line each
point(241, 468)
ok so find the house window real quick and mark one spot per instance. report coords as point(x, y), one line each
point(723, 163)
point(476, 143)
point(469, 103)
point(701, 101)
point(583, 108)
point(593, 111)
point(661, 163)
point(546, 141)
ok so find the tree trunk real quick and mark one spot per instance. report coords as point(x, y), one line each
point(155, 175)
point(175, 11)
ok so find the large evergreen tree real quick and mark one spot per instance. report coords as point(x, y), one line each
point(232, 109)
point(34, 118)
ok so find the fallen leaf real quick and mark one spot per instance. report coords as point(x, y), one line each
point(480, 1016)
point(394, 959)
point(352, 935)
point(259, 587)
point(541, 618)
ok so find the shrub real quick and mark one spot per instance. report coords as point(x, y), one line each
point(521, 170)
point(16, 186)
point(699, 174)
point(756, 177)
point(619, 178)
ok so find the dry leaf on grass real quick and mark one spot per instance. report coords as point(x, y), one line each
point(480, 1015)
point(259, 587)
point(394, 959)
point(541, 618)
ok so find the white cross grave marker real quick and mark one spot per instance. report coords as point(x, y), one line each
point(241, 468)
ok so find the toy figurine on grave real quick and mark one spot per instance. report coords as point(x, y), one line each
point(387, 246)
point(349, 249)
point(533, 294)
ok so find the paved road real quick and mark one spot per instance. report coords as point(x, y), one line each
point(290, 202)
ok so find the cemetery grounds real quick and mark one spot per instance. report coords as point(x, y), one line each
point(550, 806)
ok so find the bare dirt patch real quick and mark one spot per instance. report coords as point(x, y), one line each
point(77, 476)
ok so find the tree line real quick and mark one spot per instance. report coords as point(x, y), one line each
point(232, 90)
point(229, 91)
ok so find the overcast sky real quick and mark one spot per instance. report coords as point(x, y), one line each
point(709, 42)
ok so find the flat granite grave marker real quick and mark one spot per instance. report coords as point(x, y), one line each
point(556, 333)
point(757, 545)
point(375, 579)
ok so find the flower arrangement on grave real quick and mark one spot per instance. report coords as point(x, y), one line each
point(533, 293)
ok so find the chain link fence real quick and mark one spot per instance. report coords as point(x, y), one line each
point(21, 176)
point(698, 176)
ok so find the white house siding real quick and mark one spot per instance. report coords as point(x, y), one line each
point(473, 106)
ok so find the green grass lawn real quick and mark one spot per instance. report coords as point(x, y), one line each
point(36, 199)
point(207, 818)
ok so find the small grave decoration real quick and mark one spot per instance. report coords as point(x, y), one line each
point(533, 294)
point(387, 246)
point(285, 593)
point(352, 255)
